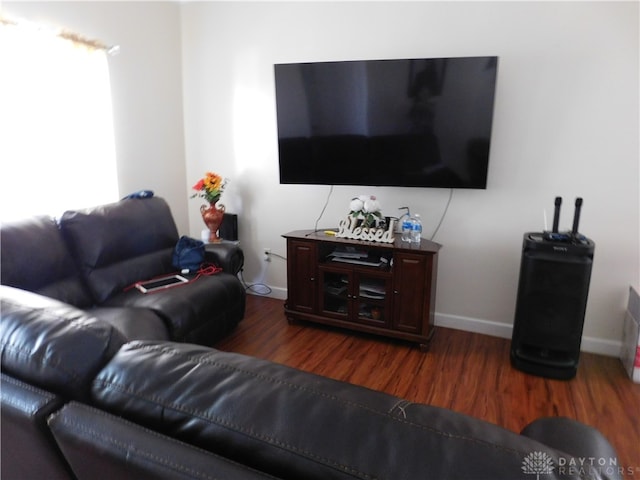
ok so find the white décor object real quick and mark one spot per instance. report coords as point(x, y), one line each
point(347, 229)
point(367, 208)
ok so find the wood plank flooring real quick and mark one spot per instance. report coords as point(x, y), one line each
point(463, 371)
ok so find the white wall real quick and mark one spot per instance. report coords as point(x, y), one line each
point(566, 123)
point(146, 83)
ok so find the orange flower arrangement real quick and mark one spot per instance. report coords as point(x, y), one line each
point(210, 187)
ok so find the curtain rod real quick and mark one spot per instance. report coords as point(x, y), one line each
point(67, 35)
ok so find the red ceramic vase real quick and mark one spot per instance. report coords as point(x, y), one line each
point(212, 217)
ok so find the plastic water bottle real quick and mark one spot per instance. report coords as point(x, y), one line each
point(416, 229)
point(407, 228)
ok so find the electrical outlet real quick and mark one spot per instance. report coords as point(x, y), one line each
point(266, 254)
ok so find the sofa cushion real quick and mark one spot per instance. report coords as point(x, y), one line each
point(293, 424)
point(202, 311)
point(35, 257)
point(133, 323)
point(118, 244)
point(51, 344)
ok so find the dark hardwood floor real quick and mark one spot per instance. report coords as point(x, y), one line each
point(463, 371)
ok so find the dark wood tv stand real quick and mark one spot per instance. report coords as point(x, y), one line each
point(388, 289)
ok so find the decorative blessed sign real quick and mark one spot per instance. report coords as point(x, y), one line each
point(348, 228)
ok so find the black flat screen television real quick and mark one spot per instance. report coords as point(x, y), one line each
point(409, 122)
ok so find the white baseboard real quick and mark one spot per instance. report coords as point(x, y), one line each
point(599, 346)
point(262, 290)
point(610, 348)
point(476, 325)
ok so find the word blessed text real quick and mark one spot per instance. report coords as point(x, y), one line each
point(347, 229)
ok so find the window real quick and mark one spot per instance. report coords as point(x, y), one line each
point(57, 147)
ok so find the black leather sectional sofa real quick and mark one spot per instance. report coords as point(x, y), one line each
point(91, 258)
point(85, 396)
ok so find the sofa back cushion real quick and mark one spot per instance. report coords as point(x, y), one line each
point(118, 244)
point(294, 424)
point(51, 344)
point(34, 257)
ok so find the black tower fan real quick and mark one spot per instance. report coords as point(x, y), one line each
point(552, 298)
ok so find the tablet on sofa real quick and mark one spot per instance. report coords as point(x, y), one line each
point(160, 283)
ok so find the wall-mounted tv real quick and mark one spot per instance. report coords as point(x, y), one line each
point(410, 122)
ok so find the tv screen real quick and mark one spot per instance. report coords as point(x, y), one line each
point(410, 122)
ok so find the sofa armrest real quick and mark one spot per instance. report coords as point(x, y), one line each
point(100, 445)
point(229, 256)
point(28, 448)
point(581, 441)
